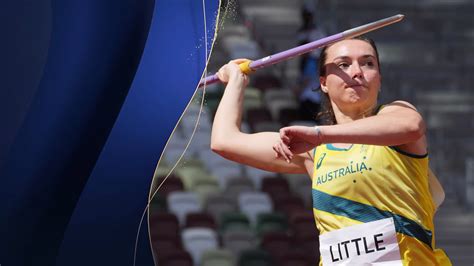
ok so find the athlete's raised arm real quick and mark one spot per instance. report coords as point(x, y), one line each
point(258, 150)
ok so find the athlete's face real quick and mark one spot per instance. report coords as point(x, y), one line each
point(352, 74)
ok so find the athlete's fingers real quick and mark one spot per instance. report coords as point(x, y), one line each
point(223, 73)
point(220, 75)
point(281, 153)
point(239, 60)
point(275, 149)
point(286, 151)
point(284, 136)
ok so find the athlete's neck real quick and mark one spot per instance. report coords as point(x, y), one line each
point(347, 115)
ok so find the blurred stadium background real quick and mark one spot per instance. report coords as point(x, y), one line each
point(211, 211)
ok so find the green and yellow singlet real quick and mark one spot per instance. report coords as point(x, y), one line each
point(367, 183)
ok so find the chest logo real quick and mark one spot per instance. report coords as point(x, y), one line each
point(320, 161)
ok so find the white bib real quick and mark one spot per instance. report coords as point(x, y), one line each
point(373, 243)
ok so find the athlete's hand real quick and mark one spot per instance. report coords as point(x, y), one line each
point(296, 140)
point(231, 72)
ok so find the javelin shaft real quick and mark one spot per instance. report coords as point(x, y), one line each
point(306, 48)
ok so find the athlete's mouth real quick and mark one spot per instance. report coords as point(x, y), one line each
point(354, 85)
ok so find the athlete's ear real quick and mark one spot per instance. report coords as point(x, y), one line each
point(322, 82)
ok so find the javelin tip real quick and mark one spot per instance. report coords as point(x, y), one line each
point(372, 26)
point(399, 17)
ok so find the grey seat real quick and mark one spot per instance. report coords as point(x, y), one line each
point(198, 240)
point(181, 203)
point(254, 203)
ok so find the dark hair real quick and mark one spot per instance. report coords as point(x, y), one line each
point(326, 116)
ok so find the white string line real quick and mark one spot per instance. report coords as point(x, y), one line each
point(187, 145)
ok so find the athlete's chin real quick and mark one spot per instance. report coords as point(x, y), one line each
point(355, 98)
point(358, 95)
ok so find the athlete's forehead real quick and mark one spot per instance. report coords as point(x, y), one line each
point(350, 49)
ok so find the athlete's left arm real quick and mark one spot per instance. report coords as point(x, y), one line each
point(397, 124)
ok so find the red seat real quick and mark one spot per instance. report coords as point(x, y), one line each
point(159, 201)
point(308, 244)
point(163, 224)
point(303, 224)
point(295, 258)
point(200, 219)
point(257, 115)
point(176, 257)
point(172, 183)
point(289, 204)
point(161, 243)
point(276, 187)
point(276, 242)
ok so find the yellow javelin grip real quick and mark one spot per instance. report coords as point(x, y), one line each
point(245, 67)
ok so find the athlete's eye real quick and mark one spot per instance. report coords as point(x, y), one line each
point(369, 63)
point(343, 65)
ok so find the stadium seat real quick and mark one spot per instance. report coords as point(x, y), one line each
point(275, 243)
point(257, 175)
point(302, 223)
point(200, 220)
point(257, 115)
point(174, 257)
point(300, 184)
point(238, 240)
point(271, 222)
point(164, 224)
point(158, 204)
point(240, 47)
point(181, 203)
point(280, 94)
point(254, 203)
point(234, 221)
point(198, 240)
point(255, 257)
point(308, 244)
point(190, 173)
point(201, 139)
point(218, 257)
point(197, 179)
point(164, 243)
point(172, 183)
point(175, 147)
point(276, 187)
point(238, 185)
point(266, 82)
point(289, 204)
point(219, 204)
point(277, 105)
point(226, 171)
point(296, 258)
point(253, 94)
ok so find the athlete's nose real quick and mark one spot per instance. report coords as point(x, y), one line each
point(356, 71)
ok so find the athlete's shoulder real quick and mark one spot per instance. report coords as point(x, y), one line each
point(396, 105)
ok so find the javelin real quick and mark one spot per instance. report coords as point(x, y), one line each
point(250, 66)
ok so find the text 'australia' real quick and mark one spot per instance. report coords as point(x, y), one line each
point(343, 171)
